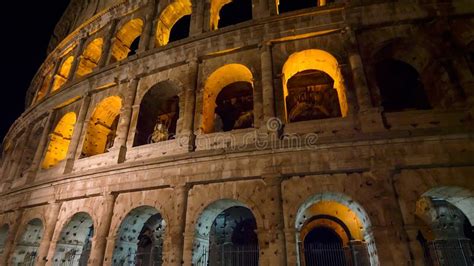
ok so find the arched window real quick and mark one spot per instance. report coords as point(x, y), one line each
point(313, 87)
point(43, 90)
point(229, 12)
point(75, 241)
point(159, 113)
point(400, 86)
point(63, 73)
point(30, 149)
point(139, 240)
point(126, 40)
point(102, 127)
point(228, 99)
point(27, 247)
point(180, 29)
point(59, 141)
point(225, 235)
point(169, 17)
point(90, 57)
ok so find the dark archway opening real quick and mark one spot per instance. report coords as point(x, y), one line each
point(400, 86)
point(311, 96)
point(323, 246)
point(235, 12)
point(234, 107)
point(134, 47)
point(180, 29)
point(233, 239)
point(158, 117)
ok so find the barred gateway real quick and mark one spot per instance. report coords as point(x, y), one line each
point(263, 132)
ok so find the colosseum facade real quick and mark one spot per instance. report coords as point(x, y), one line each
point(246, 132)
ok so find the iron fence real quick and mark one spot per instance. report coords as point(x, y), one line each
point(456, 252)
point(230, 255)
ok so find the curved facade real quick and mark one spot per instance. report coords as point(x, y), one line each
point(177, 132)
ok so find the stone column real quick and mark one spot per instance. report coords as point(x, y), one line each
point(292, 255)
point(51, 218)
point(42, 147)
point(267, 82)
point(370, 117)
point(12, 231)
point(466, 81)
point(123, 127)
point(79, 129)
point(175, 255)
point(187, 123)
point(108, 41)
point(77, 59)
point(148, 27)
point(188, 247)
point(17, 169)
point(275, 251)
point(197, 19)
point(416, 250)
point(101, 233)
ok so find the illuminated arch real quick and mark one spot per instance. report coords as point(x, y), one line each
point(341, 214)
point(90, 57)
point(59, 141)
point(63, 74)
point(217, 8)
point(168, 18)
point(318, 60)
point(75, 241)
point(125, 37)
point(43, 90)
point(215, 83)
point(102, 127)
point(130, 245)
point(28, 245)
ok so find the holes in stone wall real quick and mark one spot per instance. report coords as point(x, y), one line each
point(27, 246)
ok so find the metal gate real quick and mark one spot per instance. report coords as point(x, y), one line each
point(320, 254)
point(456, 252)
point(231, 255)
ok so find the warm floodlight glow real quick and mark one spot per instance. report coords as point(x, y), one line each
point(172, 13)
point(125, 37)
point(102, 126)
point(59, 141)
point(90, 57)
point(218, 80)
point(316, 60)
point(63, 73)
point(44, 87)
point(216, 6)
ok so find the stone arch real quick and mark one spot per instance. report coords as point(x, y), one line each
point(139, 238)
point(30, 148)
point(159, 114)
point(222, 86)
point(45, 84)
point(75, 240)
point(206, 221)
point(90, 57)
point(102, 127)
point(460, 197)
point(168, 18)
point(126, 40)
point(4, 230)
point(62, 75)
point(27, 246)
point(352, 222)
point(320, 63)
point(220, 11)
point(59, 141)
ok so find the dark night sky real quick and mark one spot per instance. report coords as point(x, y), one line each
point(26, 29)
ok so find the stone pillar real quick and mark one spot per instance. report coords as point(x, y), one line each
point(79, 129)
point(42, 147)
point(101, 233)
point(176, 235)
point(187, 129)
point(77, 59)
point(466, 81)
point(123, 127)
point(108, 41)
point(17, 169)
point(416, 250)
point(291, 246)
point(267, 83)
point(51, 218)
point(274, 250)
point(370, 117)
point(147, 35)
point(197, 19)
point(188, 247)
point(9, 242)
point(272, 6)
